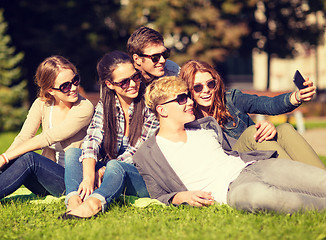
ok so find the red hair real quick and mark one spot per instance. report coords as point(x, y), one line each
point(218, 109)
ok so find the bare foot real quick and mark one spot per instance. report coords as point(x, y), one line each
point(74, 202)
point(88, 208)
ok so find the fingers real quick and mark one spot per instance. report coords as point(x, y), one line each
point(272, 135)
point(307, 94)
point(265, 131)
point(84, 191)
point(201, 198)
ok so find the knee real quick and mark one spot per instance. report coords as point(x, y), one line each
point(28, 159)
point(29, 156)
point(249, 133)
point(249, 197)
point(284, 128)
point(72, 155)
point(114, 166)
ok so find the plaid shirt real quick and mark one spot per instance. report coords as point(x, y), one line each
point(92, 142)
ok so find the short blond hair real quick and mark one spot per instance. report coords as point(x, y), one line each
point(162, 89)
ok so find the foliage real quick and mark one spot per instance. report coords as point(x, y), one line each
point(80, 30)
point(278, 26)
point(194, 29)
point(12, 89)
point(211, 30)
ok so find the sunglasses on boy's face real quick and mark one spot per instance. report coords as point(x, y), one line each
point(124, 84)
point(156, 57)
point(66, 86)
point(211, 84)
point(181, 99)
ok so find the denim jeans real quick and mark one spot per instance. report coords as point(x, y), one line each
point(40, 175)
point(279, 185)
point(119, 178)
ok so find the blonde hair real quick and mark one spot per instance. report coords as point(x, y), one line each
point(161, 89)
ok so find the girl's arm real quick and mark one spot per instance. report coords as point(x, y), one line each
point(86, 187)
point(77, 118)
point(90, 149)
point(26, 140)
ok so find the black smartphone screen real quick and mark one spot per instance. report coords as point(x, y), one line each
point(298, 80)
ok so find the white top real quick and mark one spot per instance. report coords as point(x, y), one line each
point(201, 163)
point(59, 151)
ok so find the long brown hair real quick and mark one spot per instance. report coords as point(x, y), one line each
point(105, 68)
point(47, 72)
point(218, 109)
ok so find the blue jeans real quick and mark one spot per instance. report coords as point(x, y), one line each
point(39, 174)
point(279, 185)
point(119, 178)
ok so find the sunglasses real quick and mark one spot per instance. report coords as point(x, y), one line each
point(66, 86)
point(211, 84)
point(156, 57)
point(124, 84)
point(181, 99)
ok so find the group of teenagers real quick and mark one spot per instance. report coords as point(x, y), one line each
point(160, 131)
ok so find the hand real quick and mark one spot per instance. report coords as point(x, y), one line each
point(194, 198)
point(99, 176)
point(265, 131)
point(307, 93)
point(86, 188)
point(2, 161)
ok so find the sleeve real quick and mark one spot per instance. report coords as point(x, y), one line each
point(78, 117)
point(150, 125)
point(93, 140)
point(153, 187)
point(171, 68)
point(250, 103)
point(31, 124)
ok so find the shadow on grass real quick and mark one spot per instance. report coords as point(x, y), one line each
point(19, 198)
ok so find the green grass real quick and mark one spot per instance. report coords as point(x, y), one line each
point(20, 219)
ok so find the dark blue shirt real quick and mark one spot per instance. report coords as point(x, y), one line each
point(240, 105)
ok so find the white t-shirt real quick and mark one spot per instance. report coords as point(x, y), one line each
point(201, 163)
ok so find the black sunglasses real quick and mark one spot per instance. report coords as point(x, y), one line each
point(156, 57)
point(211, 84)
point(181, 99)
point(124, 84)
point(66, 86)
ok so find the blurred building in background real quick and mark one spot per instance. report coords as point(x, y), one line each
point(309, 61)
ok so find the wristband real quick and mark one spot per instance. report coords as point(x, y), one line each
point(297, 97)
point(5, 158)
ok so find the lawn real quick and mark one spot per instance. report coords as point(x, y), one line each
point(21, 218)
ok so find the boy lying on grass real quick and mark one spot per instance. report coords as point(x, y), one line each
point(192, 162)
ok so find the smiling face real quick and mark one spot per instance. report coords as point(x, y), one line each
point(177, 113)
point(122, 72)
point(204, 98)
point(65, 75)
point(147, 66)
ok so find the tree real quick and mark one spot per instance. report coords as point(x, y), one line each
point(80, 30)
point(12, 88)
point(192, 28)
point(213, 29)
point(276, 27)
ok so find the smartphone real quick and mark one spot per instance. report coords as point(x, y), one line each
point(299, 80)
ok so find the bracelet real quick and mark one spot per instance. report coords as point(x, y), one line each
point(5, 158)
point(297, 97)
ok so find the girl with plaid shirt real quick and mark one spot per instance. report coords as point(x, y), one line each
point(121, 123)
